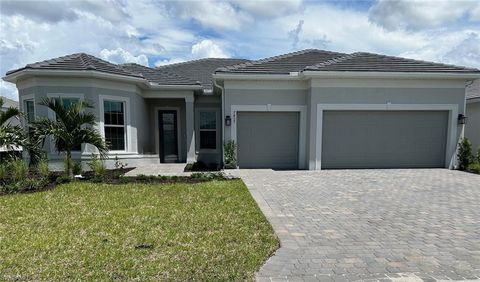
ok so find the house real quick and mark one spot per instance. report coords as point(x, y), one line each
point(9, 103)
point(311, 109)
point(472, 127)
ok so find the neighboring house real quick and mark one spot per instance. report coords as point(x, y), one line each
point(310, 109)
point(9, 103)
point(472, 128)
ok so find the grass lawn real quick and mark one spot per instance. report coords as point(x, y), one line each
point(85, 231)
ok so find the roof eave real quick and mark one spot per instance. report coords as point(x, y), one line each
point(14, 77)
point(256, 76)
point(157, 86)
point(378, 74)
point(473, 100)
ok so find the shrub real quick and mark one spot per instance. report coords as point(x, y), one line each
point(209, 176)
point(97, 166)
point(464, 155)
point(475, 167)
point(42, 168)
point(19, 169)
point(77, 168)
point(4, 172)
point(63, 179)
point(477, 156)
point(230, 155)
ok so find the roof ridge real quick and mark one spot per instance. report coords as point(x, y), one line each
point(155, 70)
point(196, 60)
point(273, 58)
point(331, 61)
point(417, 60)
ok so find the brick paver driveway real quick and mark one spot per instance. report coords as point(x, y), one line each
point(403, 225)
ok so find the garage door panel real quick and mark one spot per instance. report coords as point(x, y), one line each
point(268, 139)
point(384, 139)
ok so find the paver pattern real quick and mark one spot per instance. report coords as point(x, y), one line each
point(377, 225)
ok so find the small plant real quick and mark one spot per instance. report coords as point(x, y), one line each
point(97, 166)
point(207, 176)
point(230, 154)
point(475, 167)
point(77, 168)
point(63, 179)
point(119, 164)
point(4, 172)
point(477, 156)
point(19, 169)
point(464, 155)
point(42, 168)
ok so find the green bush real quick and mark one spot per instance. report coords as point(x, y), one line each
point(475, 167)
point(209, 176)
point(230, 149)
point(477, 156)
point(465, 156)
point(19, 169)
point(97, 166)
point(77, 168)
point(63, 179)
point(4, 172)
point(42, 168)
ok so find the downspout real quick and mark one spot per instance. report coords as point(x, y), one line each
point(223, 117)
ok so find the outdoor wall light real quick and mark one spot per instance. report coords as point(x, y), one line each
point(228, 120)
point(462, 119)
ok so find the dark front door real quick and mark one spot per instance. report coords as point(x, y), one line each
point(167, 121)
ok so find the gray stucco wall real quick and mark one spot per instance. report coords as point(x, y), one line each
point(425, 93)
point(208, 102)
point(472, 128)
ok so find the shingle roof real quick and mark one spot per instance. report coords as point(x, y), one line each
point(284, 64)
point(320, 60)
point(78, 61)
point(202, 69)
point(362, 61)
point(159, 76)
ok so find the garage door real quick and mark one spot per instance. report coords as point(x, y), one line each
point(268, 140)
point(384, 139)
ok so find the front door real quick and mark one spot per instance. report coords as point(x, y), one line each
point(167, 120)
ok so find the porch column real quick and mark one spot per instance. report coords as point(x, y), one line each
point(190, 128)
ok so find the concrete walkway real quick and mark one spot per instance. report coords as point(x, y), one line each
point(173, 169)
point(370, 225)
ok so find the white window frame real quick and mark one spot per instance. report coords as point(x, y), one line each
point(451, 142)
point(199, 130)
point(126, 120)
point(23, 99)
point(302, 135)
point(51, 115)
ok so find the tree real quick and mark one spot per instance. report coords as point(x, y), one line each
point(11, 136)
point(72, 127)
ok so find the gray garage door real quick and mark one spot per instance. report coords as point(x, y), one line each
point(384, 139)
point(268, 140)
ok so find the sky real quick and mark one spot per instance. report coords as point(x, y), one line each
point(154, 32)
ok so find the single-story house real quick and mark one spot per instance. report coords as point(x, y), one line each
point(472, 127)
point(9, 103)
point(311, 109)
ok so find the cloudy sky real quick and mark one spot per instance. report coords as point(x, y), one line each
point(155, 32)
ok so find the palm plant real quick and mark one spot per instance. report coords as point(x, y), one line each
point(11, 136)
point(72, 127)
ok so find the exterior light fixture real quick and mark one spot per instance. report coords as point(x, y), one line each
point(462, 119)
point(228, 120)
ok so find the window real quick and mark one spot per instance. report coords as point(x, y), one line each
point(208, 130)
point(114, 124)
point(30, 110)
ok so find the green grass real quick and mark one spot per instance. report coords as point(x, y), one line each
point(84, 231)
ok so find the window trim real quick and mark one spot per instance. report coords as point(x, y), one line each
point(51, 115)
point(126, 120)
point(198, 130)
point(23, 99)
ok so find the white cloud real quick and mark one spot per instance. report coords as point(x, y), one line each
point(208, 49)
point(269, 8)
point(218, 15)
point(8, 90)
point(418, 14)
point(120, 56)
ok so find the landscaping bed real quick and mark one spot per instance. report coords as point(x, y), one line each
point(211, 230)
